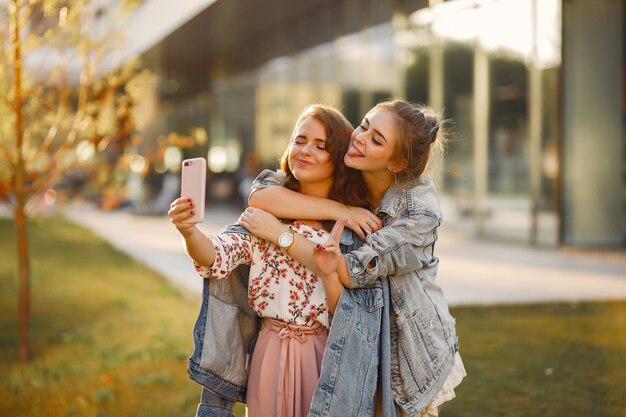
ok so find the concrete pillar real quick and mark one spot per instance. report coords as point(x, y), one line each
point(481, 137)
point(535, 111)
point(592, 212)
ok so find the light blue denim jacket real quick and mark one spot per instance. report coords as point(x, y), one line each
point(359, 348)
point(403, 251)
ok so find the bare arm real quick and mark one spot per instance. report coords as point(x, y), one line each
point(197, 245)
point(333, 289)
point(295, 205)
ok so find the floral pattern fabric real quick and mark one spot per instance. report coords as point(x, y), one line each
point(278, 286)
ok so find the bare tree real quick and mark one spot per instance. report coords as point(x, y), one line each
point(54, 100)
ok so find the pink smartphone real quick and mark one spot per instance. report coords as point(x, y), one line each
point(193, 185)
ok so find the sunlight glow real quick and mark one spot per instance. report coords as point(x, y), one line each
point(500, 26)
point(85, 151)
point(138, 164)
point(172, 158)
point(217, 159)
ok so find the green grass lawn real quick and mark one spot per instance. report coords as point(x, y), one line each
point(111, 338)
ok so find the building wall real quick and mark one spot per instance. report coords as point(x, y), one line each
point(519, 140)
point(593, 140)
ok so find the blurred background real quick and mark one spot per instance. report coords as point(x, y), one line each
point(535, 91)
point(101, 100)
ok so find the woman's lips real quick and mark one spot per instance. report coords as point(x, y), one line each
point(302, 162)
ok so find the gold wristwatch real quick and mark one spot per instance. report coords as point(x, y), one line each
point(285, 240)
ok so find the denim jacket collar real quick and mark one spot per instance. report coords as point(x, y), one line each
point(418, 196)
point(392, 201)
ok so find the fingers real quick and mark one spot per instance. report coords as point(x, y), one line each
point(375, 223)
point(248, 219)
point(181, 210)
point(359, 231)
point(245, 218)
point(363, 217)
point(331, 249)
point(243, 222)
point(328, 247)
point(364, 223)
point(372, 224)
point(180, 205)
point(335, 234)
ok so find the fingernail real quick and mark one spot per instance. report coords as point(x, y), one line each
point(192, 212)
point(189, 199)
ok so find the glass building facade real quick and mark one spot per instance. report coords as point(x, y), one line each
point(533, 89)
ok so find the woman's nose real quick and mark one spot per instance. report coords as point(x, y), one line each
point(306, 149)
point(360, 138)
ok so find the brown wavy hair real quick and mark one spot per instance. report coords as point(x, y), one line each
point(348, 186)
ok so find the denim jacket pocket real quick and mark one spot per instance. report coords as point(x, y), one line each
point(370, 300)
point(416, 353)
point(422, 350)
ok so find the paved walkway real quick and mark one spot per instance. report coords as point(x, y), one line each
point(470, 272)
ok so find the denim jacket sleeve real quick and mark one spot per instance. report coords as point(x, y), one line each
point(405, 245)
point(268, 178)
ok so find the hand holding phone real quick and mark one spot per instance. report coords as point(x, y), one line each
point(193, 185)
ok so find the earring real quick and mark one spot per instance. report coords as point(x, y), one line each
point(395, 174)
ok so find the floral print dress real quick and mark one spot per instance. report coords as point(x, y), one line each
point(278, 286)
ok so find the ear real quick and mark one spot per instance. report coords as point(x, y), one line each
point(397, 166)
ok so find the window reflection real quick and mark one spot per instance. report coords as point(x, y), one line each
point(431, 58)
point(492, 47)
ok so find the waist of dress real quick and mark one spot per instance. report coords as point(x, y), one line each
point(288, 330)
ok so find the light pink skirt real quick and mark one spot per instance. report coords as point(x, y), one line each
point(285, 369)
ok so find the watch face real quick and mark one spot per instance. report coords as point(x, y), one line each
point(285, 239)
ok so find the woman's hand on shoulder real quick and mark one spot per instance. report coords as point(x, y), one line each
point(261, 223)
point(362, 221)
point(179, 213)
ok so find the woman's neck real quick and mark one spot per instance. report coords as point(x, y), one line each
point(377, 184)
point(315, 190)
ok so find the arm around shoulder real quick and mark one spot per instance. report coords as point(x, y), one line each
point(268, 190)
